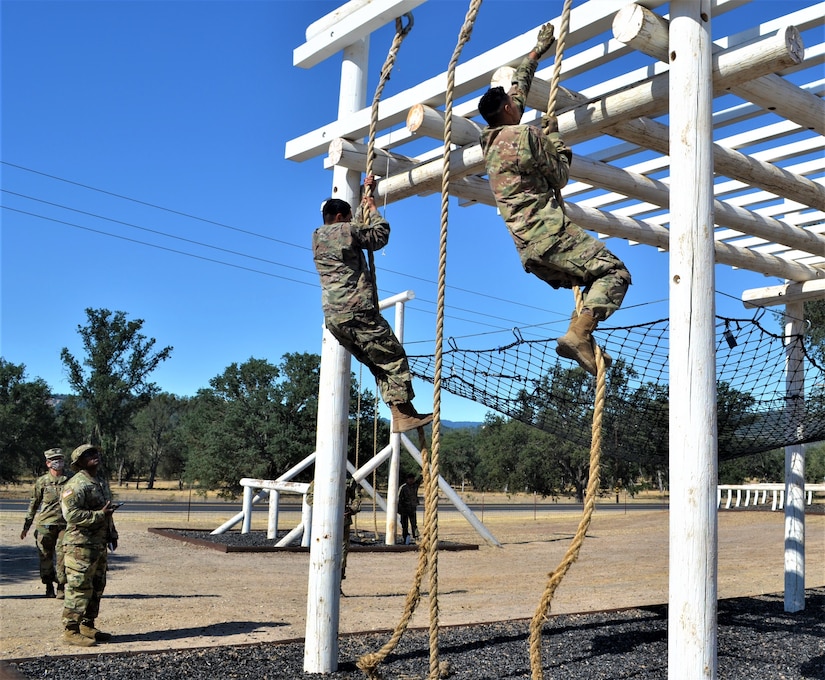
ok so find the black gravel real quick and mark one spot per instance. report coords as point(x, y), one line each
point(756, 640)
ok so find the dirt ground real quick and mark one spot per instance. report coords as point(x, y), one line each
point(166, 594)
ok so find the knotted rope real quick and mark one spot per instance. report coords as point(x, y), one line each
point(561, 39)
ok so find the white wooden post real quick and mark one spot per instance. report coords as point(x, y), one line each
point(272, 517)
point(794, 461)
point(391, 525)
point(692, 640)
point(323, 591)
point(247, 510)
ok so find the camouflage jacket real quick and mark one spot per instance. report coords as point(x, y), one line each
point(338, 250)
point(83, 500)
point(524, 167)
point(408, 498)
point(46, 496)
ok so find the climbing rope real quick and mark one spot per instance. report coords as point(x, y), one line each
point(572, 554)
point(401, 32)
point(428, 549)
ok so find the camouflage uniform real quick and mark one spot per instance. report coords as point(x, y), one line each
point(348, 301)
point(407, 508)
point(88, 532)
point(50, 526)
point(525, 166)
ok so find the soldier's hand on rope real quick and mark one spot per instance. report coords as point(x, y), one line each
point(549, 123)
point(545, 40)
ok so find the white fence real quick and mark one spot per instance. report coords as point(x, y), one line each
point(757, 494)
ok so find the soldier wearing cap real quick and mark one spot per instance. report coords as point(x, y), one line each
point(90, 529)
point(50, 525)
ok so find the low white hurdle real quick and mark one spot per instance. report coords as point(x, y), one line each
point(757, 494)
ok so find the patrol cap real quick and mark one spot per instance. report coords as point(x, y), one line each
point(80, 450)
point(52, 454)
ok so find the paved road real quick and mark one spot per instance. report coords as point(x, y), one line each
point(231, 508)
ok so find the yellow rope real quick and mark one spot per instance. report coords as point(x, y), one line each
point(428, 550)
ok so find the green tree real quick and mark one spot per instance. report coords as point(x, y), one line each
point(815, 314)
point(458, 456)
point(112, 380)
point(27, 422)
point(158, 435)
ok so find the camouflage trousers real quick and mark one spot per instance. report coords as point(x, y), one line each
point(575, 258)
point(409, 523)
point(50, 551)
point(369, 338)
point(85, 582)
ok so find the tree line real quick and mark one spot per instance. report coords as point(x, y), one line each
point(258, 419)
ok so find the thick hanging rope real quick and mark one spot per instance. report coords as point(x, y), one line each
point(401, 32)
point(572, 554)
point(428, 550)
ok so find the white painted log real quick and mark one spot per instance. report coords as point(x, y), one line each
point(272, 515)
point(424, 120)
point(323, 587)
point(794, 459)
point(247, 510)
point(647, 32)
point(347, 25)
point(787, 293)
point(692, 633)
point(306, 521)
point(353, 155)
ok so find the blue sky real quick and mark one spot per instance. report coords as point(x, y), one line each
point(143, 171)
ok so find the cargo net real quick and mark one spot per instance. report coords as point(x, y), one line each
point(527, 381)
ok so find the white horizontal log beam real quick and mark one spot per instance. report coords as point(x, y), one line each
point(353, 156)
point(655, 136)
point(648, 33)
point(785, 294)
point(585, 23)
point(424, 120)
point(346, 26)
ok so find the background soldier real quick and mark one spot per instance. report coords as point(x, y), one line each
point(50, 523)
point(90, 528)
point(408, 507)
point(349, 300)
point(526, 168)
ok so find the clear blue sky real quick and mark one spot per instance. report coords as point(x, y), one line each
point(123, 122)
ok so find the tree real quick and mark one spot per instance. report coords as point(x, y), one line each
point(815, 314)
point(114, 385)
point(157, 437)
point(27, 422)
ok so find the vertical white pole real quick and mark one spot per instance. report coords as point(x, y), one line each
point(272, 517)
point(391, 525)
point(323, 590)
point(693, 448)
point(794, 461)
point(247, 510)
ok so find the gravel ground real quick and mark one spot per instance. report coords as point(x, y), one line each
point(757, 639)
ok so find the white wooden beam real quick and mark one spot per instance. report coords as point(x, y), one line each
point(347, 25)
point(787, 293)
point(647, 32)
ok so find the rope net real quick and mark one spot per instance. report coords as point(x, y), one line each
point(527, 381)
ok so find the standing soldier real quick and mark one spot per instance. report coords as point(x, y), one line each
point(408, 507)
point(348, 297)
point(90, 528)
point(50, 523)
point(526, 168)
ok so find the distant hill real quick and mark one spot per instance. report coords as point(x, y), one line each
point(461, 424)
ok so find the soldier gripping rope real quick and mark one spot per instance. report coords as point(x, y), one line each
point(90, 530)
point(526, 168)
point(50, 525)
point(348, 297)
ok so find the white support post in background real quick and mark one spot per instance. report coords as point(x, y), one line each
point(794, 460)
point(323, 590)
point(391, 526)
point(692, 636)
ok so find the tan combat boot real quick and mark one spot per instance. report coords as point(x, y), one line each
point(405, 417)
point(61, 591)
point(578, 343)
point(72, 636)
point(88, 630)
